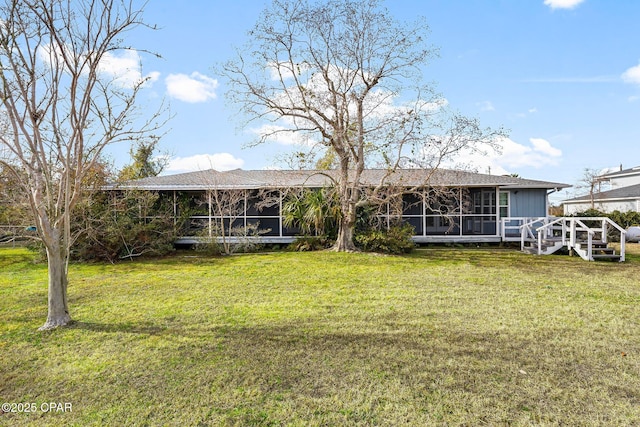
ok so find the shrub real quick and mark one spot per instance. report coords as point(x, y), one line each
point(124, 225)
point(310, 243)
point(312, 211)
point(227, 241)
point(394, 240)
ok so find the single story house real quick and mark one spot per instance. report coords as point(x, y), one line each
point(622, 194)
point(474, 208)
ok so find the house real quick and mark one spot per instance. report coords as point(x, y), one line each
point(442, 205)
point(623, 194)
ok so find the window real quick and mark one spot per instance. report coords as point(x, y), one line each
point(504, 204)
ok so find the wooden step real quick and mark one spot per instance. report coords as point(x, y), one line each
point(533, 248)
point(606, 257)
point(604, 251)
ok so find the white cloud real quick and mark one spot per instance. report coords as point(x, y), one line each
point(524, 115)
point(191, 88)
point(539, 154)
point(285, 71)
point(283, 135)
point(513, 156)
point(562, 4)
point(486, 106)
point(124, 68)
point(218, 161)
point(542, 146)
point(632, 75)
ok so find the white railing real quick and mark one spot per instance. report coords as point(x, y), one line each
point(570, 230)
point(521, 228)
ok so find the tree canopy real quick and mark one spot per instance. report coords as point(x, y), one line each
point(345, 77)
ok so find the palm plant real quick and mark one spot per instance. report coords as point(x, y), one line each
point(313, 211)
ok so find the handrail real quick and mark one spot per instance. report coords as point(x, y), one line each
point(526, 228)
point(549, 224)
point(573, 225)
point(623, 236)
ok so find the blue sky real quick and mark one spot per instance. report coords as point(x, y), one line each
point(563, 76)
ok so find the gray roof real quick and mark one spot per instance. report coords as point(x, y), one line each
point(255, 179)
point(629, 192)
point(630, 171)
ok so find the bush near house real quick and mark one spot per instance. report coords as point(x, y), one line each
point(313, 212)
point(310, 243)
point(393, 240)
point(623, 219)
point(124, 225)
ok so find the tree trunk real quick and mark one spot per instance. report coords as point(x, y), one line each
point(58, 314)
point(344, 241)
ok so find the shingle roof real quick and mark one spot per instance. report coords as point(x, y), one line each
point(250, 179)
point(629, 192)
point(630, 171)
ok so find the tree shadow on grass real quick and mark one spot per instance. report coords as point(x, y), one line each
point(131, 328)
point(419, 368)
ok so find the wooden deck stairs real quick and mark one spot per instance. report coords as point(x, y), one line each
point(585, 237)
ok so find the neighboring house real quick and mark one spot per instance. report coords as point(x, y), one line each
point(623, 194)
point(474, 208)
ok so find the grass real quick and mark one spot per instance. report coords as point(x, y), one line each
point(442, 337)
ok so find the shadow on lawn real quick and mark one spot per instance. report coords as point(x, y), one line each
point(419, 357)
point(146, 329)
point(417, 369)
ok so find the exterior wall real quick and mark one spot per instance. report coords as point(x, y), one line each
point(625, 181)
point(528, 203)
point(574, 208)
point(606, 207)
point(525, 205)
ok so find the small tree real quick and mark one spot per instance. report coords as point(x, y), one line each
point(591, 182)
point(333, 72)
point(62, 110)
point(144, 161)
point(226, 207)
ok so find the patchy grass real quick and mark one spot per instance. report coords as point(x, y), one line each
point(442, 337)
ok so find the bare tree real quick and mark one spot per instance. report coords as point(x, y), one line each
point(62, 110)
point(226, 221)
point(226, 208)
point(592, 182)
point(344, 75)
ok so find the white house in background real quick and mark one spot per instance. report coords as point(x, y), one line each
point(623, 195)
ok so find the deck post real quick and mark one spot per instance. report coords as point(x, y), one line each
point(539, 242)
point(572, 233)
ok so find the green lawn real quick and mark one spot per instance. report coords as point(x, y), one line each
point(442, 337)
